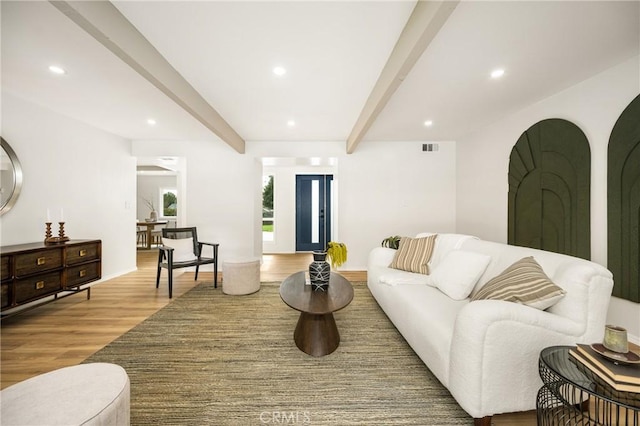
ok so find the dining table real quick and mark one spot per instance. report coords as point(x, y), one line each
point(150, 226)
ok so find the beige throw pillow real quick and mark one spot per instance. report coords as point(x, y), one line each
point(413, 254)
point(523, 282)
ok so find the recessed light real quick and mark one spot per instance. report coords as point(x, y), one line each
point(497, 73)
point(291, 123)
point(428, 123)
point(57, 70)
point(279, 71)
point(151, 122)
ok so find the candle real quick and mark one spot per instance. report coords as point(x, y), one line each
point(61, 215)
point(48, 216)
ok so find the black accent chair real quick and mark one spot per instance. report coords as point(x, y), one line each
point(166, 253)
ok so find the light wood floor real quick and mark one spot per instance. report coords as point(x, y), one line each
point(69, 330)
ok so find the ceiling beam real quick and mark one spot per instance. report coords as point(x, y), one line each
point(425, 22)
point(104, 22)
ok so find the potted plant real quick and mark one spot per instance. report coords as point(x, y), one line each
point(392, 242)
point(337, 252)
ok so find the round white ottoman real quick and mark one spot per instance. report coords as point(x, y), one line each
point(240, 276)
point(85, 394)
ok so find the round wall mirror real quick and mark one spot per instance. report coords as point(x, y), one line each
point(10, 177)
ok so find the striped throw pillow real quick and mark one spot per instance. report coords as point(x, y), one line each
point(523, 282)
point(413, 254)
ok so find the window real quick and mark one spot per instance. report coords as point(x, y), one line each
point(169, 202)
point(267, 208)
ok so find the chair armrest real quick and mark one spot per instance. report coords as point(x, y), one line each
point(213, 245)
point(494, 354)
point(165, 252)
point(208, 244)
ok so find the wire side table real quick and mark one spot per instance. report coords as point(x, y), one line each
point(572, 396)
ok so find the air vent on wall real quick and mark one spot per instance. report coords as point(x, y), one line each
point(429, 147)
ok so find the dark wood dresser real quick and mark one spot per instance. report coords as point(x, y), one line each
point(35, 271)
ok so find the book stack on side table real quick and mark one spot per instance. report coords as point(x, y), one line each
point(622, 377)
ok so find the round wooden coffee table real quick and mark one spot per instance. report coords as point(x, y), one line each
point(316, 333)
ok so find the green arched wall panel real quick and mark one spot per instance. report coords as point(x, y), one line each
point(549, 189)
point(624, 203)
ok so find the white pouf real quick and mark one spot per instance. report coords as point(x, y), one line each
point(85, 394)
point(240, 276)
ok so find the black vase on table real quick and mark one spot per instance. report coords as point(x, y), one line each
point(319, 271)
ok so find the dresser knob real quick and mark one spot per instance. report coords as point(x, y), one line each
point(39, 285)
point(41, 261)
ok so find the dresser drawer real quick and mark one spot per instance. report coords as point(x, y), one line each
point(5, 299)
point(82, 253)
point(77, 275)
point(5, 267)
point(38, 286)
point(38, 261)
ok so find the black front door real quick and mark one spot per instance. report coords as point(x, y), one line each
point(313, 212)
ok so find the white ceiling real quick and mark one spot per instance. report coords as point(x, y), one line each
point(333, 51)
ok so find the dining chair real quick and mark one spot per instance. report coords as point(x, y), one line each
point(156, 234)
point(156, 237)
point(141, 236)
point(181, 249)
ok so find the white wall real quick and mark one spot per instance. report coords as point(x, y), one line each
point(383, 189)
point(483, 157)
point(395, 189)
point(67, 164)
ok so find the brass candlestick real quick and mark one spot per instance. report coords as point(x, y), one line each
point(47, 233)
point(50, 239)
point(61, 235)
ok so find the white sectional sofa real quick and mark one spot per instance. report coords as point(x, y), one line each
point(486, 351)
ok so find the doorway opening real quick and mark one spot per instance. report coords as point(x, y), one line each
point(313, 212)
point(159, 187)
point(312, 204)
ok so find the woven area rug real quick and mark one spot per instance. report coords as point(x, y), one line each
point(212, 359)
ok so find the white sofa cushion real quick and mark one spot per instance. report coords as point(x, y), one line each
point(395, 277)
point(458, 272)
point(425, 317)
point(523, 282)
